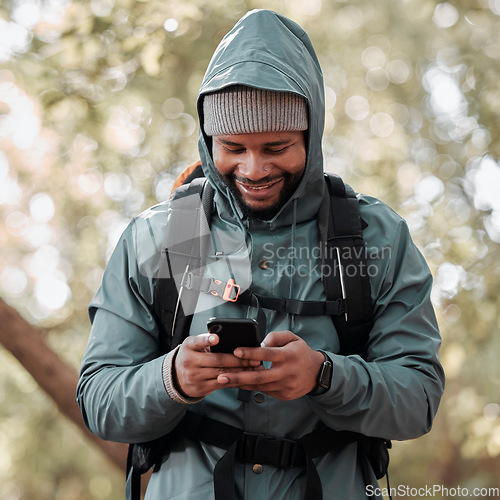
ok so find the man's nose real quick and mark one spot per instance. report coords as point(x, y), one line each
point(254, 167)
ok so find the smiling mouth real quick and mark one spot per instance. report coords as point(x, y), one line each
point(260, 187)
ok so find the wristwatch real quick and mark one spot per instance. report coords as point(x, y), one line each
point(325, 377)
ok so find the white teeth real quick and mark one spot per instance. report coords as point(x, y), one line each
point(258, 188)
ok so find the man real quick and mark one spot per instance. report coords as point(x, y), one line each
point(261, 114)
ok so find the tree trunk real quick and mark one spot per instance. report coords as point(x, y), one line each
point(52, 374)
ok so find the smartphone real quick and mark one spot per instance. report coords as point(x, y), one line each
point(233, 333)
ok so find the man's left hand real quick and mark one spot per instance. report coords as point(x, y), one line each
point(294, 367)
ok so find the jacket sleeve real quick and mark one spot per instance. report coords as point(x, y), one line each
point(395, 393)
point(121, 391)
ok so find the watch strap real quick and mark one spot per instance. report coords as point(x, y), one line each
point(325, 376)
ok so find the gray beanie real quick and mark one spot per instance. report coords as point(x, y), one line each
point(247, 110)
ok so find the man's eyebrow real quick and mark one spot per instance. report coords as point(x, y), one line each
point(282, 142)
point(228, 143)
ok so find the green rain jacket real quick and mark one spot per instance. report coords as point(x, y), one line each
point(394, 394)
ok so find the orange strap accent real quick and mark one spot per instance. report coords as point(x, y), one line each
point(184, 175)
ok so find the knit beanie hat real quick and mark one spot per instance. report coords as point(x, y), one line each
point(246, 110)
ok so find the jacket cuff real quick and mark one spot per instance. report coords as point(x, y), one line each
point(168, 380)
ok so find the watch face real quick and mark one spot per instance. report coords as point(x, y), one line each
point(325, 377)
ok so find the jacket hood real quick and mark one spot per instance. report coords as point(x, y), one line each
point(266, 50)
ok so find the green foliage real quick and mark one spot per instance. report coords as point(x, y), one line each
point(97, 116)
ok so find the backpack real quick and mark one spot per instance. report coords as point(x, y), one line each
point(348, 302)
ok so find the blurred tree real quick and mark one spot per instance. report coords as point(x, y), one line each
point(97, 116)
point(54, 376)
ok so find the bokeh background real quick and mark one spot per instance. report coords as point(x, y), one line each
point(97, 117)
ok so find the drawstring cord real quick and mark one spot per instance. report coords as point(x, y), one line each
point(235, 211)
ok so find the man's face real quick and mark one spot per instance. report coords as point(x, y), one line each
point(262, 170)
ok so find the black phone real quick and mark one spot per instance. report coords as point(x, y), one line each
point(233, 333)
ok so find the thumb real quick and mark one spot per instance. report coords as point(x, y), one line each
point(201, 342)
point(278, 339)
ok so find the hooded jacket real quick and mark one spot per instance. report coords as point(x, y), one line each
point(393, 394)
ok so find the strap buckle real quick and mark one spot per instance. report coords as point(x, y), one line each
point(342, 306)
point(258, 448)
point(232, 291)
point(228, 290)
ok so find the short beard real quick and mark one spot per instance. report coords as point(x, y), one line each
point(290, 183)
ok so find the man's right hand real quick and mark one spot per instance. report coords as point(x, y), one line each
point(196, 368)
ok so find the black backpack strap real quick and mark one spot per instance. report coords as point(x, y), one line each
point(258, 448)
point(334, 307)
point(173, 321)
point(345, 272)
point(279, 452)
point(185, 255)
point(346, 275)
